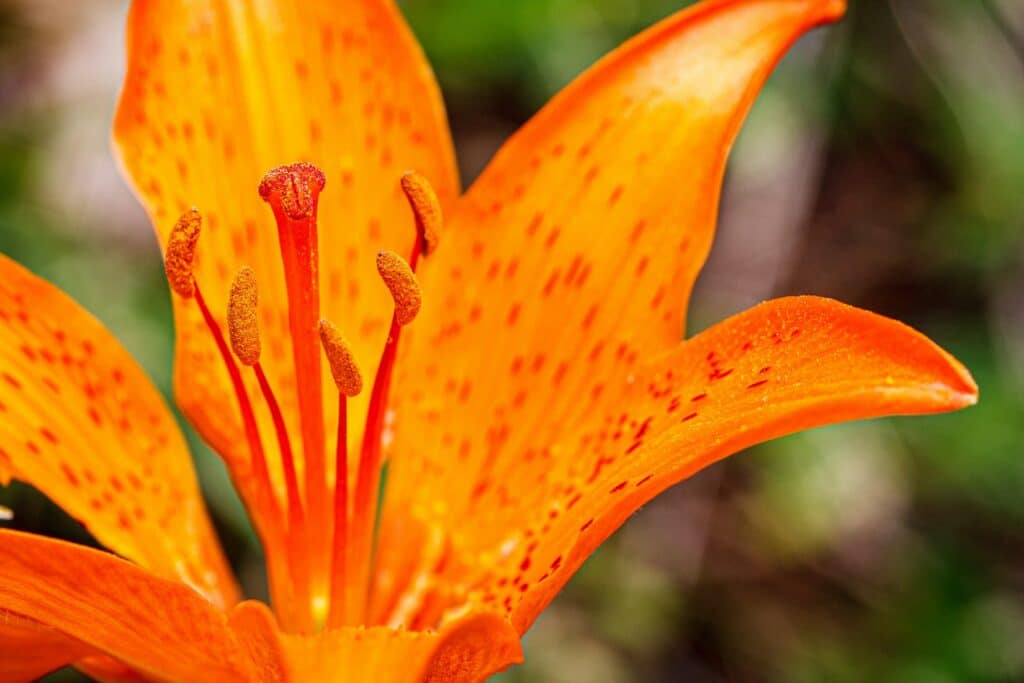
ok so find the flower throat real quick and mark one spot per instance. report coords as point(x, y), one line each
point(318, 540)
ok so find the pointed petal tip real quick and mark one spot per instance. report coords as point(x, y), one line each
point(965, 391)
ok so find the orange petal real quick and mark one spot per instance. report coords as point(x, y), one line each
point(572, 257)
point(106, 670)
point(158, 627)
point(472, 649)
point(217, 94)
point(80, 421)
point(466, 650)
point(781, 367)
point(28, 649)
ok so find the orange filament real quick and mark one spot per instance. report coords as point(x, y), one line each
point(293, 193)
point(255, 486)
point(349, 382)
point(426, 209)
point(244, 333)
point(181, 251)
point(400, 279)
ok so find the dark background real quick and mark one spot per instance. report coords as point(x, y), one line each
point(883, 165)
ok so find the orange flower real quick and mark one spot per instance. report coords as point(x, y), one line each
point(539, 397)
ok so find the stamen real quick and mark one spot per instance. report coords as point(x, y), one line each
point(6, 514)
point(350, 383)
point(402, 284)
point(426, 208)
point(243, 325)
point(244, 332)
point(293, 193)
point(181, 251)
point(343, 363)
point(251, 477)
point(405, 291)
point(259, 461)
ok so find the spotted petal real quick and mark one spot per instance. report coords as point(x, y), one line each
point(784, 366)
point(571, 259)
point(157, 627)
point(80, 421)
point(218, 93)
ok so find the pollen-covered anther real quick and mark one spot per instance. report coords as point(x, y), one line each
point(181, 252)
point(339, 356)
point(243, 322)
point(426, 208)
point(402, 284)
point(6, 514)
point(295, 188)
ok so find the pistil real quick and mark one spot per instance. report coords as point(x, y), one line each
point(293, 194)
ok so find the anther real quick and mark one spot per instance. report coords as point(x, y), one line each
point(181, 251)
point(402, 284)
point(243, 322)
point(6, 514)
point(339, 356)
point(426, 208)
point(295, 187)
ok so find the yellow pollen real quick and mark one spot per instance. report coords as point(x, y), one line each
point(243, 323)
point(6, 514)
point(402, 284)
point(425, 207)
point(339, 357)
point(181, 251)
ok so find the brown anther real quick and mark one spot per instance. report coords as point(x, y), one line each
point(339, 357)
point(295, 186)
point(426, 208)
point(243, 322)
point(181, 251)
point(402, 284)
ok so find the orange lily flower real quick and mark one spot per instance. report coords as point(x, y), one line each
point(538, 399)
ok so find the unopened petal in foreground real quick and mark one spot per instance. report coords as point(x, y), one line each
point(512, 355)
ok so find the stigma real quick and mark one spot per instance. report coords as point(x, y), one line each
point(317, 530)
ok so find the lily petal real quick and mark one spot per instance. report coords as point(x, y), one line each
point(572, 257)
point(82, 423)
point(784, 366)
point(158, 627)
point(466, 650)
point(218, 93)
point(28, 649)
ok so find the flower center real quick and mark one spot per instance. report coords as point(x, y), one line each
point(319, 540)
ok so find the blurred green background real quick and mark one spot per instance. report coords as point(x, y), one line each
point(883, 165)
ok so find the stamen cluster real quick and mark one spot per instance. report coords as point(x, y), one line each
point(319, 539)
